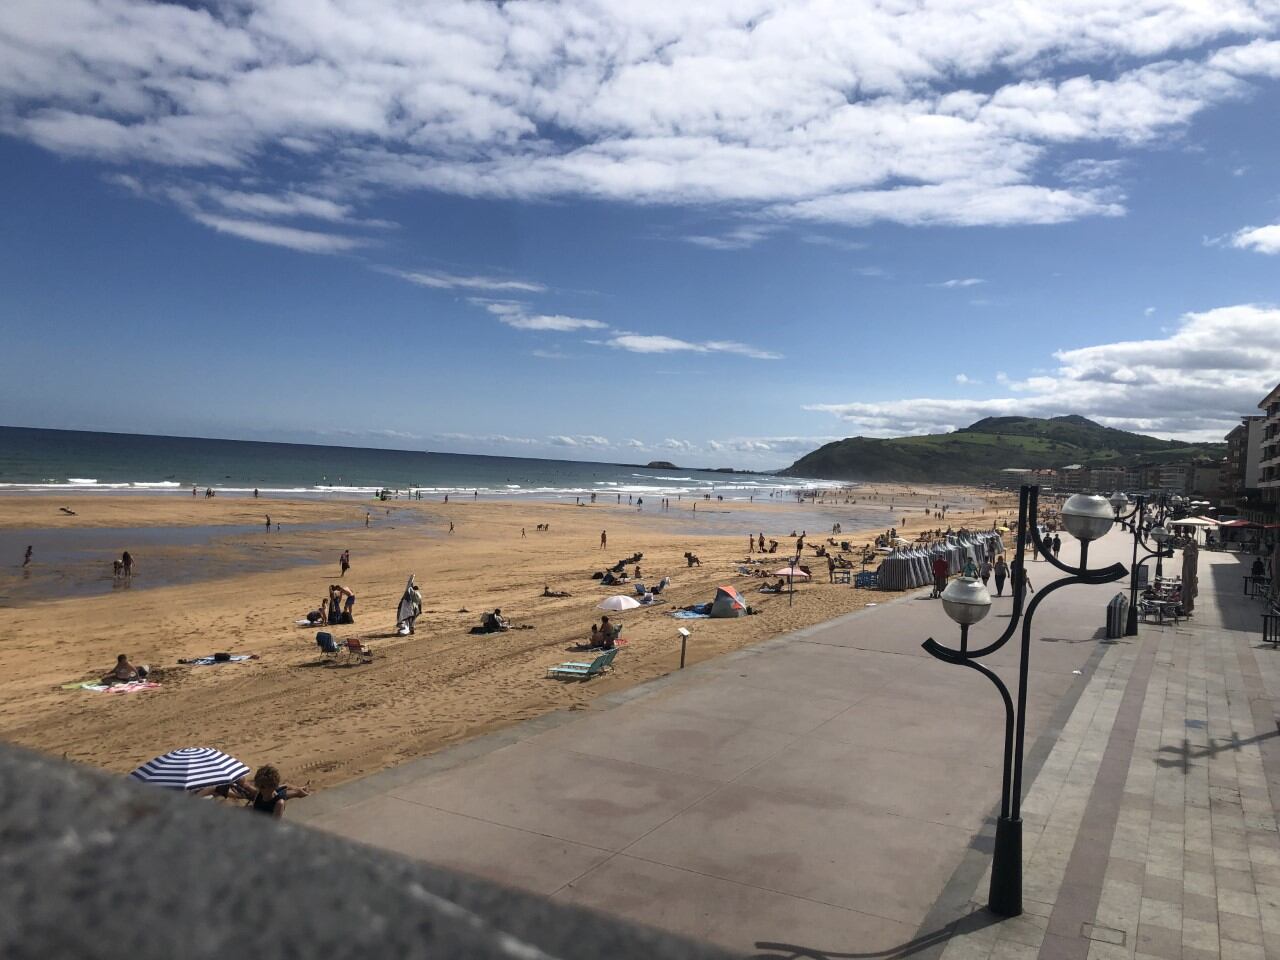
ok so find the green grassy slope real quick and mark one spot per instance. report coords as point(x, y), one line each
point(976, 453)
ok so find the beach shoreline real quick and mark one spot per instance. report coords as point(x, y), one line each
point(326, 724)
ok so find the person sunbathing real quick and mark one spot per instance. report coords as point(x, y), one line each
point(548, 592)
point(602, 636)
point(124, 672)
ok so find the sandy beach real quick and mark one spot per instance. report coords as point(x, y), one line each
point(323, 723)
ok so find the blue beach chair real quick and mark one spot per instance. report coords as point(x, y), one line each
point(581, 670)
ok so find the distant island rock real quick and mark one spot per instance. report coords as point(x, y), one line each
point(661, 465)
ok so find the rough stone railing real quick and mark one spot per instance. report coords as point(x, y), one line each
point(92, 865)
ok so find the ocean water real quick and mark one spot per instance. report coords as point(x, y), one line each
point(79, 461)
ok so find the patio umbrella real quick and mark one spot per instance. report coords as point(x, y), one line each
point(793, 572)
point(618, 602)
point(191, 768)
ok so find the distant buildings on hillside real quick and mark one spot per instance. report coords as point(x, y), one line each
point(1246, 480)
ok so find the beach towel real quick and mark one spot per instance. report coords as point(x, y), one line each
point(132, 687)
point(690, 615)
point(210, 661)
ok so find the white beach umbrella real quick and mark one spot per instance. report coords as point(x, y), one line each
point(794, 572)
point(191, 768)
point(618, 602)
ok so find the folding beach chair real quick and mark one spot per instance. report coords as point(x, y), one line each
point(583, 671)
point(329, 648)
point(356, 650)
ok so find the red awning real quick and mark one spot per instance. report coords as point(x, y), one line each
point(1239, 523)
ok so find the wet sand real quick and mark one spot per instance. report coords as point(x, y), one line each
point(322, 723)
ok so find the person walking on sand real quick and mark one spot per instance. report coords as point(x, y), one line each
point(26, 557)
point(268, 523)
point(451, 526)
point(344, 563)
point(1057, 545)
point(985, 570)
point(751, 544)
point(366, 518)
point(604, 539)
point(522, 533)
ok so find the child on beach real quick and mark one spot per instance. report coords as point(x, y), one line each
point(270, 794)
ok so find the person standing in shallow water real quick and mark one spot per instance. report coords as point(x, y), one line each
point(268, 523)
point(26, 557)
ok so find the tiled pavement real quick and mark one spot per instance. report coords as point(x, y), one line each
point(830, 793)
point(1151, 829)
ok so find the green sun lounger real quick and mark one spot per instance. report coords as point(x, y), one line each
point(584, 670)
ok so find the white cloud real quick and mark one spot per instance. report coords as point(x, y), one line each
point(964, 379)
point(439, 280)
point(941, 113)
point(1148, 311)
point(683, 446)
point(655, 343)
point(489, 439)
point(307, 241)
point(580, 440)
point(823, 240)
point(964, 282)
point(1259, 239)
point(1194, 383)
point(546, 322)
point(736, 239)
point(550, 354)
point(517, 315)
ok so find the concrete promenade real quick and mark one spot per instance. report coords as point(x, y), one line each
point(831, 793)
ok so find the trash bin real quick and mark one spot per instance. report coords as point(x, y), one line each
point(1117, 613)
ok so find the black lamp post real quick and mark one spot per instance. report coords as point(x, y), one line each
point(1136, 522)
point(1086, 518)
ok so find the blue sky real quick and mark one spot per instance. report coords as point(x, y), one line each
point(718, 236)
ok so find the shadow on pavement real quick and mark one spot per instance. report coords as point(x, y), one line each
point(966, 924)
point(1183, 755)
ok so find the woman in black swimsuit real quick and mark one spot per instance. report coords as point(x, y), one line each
point(271, 793)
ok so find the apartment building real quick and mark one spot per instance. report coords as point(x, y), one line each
point(1269, 455)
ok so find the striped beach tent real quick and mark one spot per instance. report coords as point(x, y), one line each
point(191, 768)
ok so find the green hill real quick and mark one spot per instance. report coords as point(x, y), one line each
point(978, 452)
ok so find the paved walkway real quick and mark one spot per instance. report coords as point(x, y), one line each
point(831, 793)
point(1151, 829)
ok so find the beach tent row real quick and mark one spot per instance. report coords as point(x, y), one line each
point(912, 566)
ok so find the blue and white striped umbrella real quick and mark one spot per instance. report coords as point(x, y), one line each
point(191, 768)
